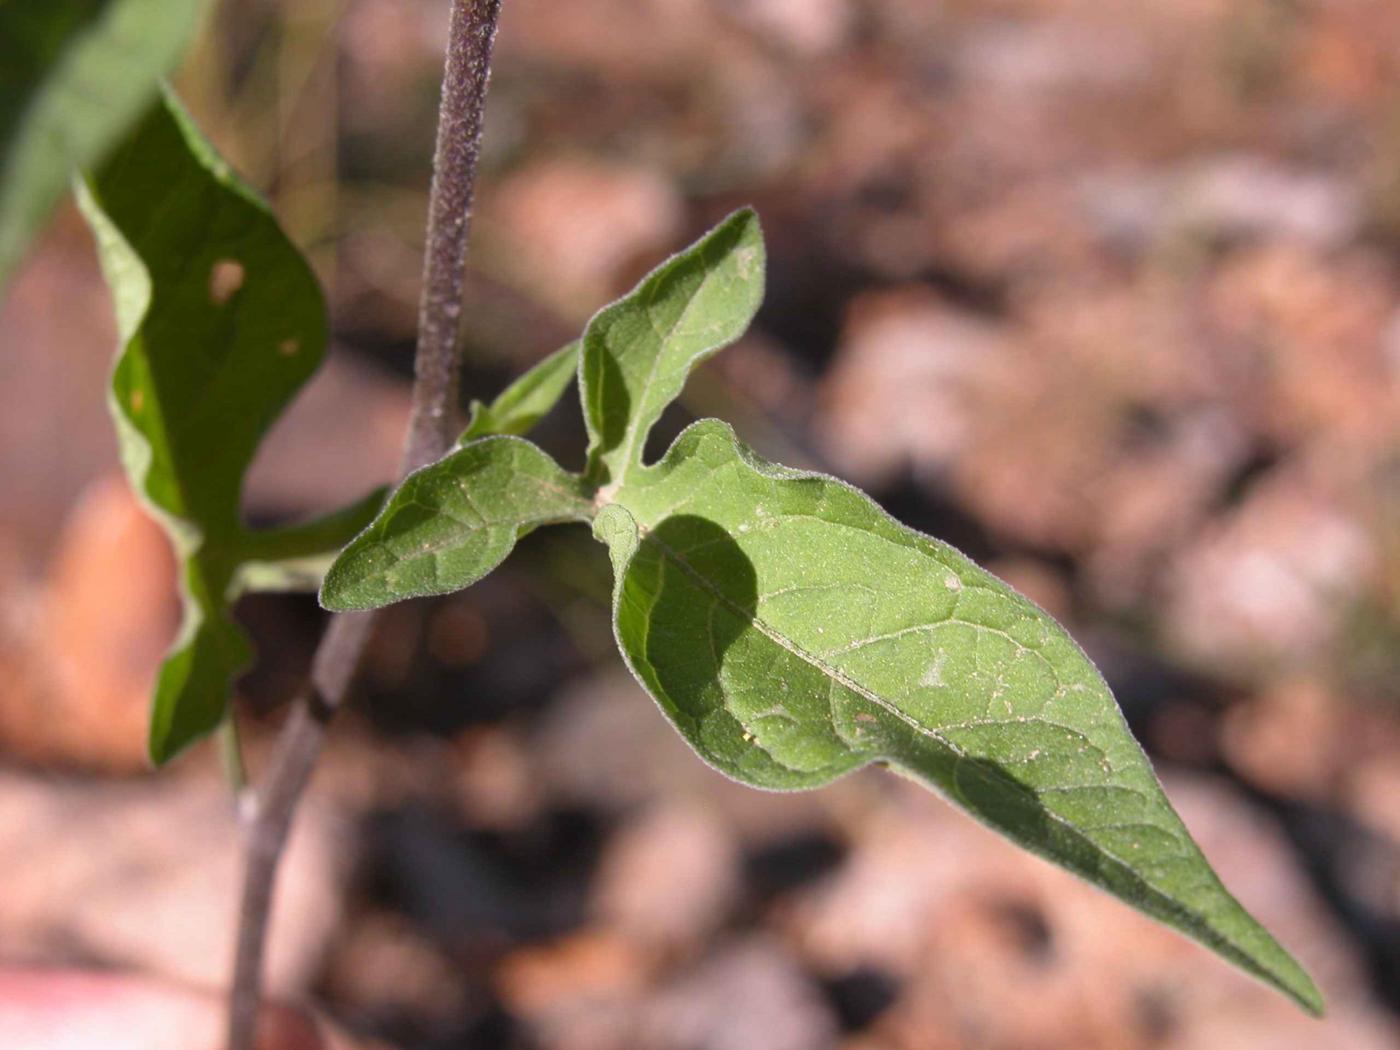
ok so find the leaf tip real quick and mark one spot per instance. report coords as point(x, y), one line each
point(336, 594)
point(615, 527)
point(750, 253)
point(158, 750)
point(1302, 989)
point(477, 425)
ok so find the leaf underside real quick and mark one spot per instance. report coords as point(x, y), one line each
point(793, 632)
point(221, 323)
point(74, 75)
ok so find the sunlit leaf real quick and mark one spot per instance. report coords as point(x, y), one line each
point(452, 522)
point(638, 352)
point(794, 632)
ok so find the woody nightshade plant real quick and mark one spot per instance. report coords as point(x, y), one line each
point(790, 629)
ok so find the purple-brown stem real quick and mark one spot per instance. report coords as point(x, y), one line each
point(432, 428)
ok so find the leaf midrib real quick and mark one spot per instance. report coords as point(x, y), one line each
point(836, 675)
point(628, 447)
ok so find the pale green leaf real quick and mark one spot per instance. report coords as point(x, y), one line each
point(221, 322)
point(522, 404)
point(794, 632)
point(452, 522)
point(638, 352)
point(74, 75)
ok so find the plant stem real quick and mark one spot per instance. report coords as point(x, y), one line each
point(431, 431)
point(432, 428)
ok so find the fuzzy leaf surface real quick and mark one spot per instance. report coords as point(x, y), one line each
point(452, 522)
point(638, 351)
point(74, 75)
point(793, 632)
point(221, 323)
point(522, 404)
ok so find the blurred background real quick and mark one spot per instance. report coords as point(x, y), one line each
point(1107, 295)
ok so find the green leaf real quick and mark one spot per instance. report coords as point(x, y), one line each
point(522, 404)
point(794, 632)
point(74, 75)
point(452, 522)
point(638, 352)
point(221, 322)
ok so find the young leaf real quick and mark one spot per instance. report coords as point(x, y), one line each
point(522, 404)
point(794, 632)
point(638, 352)
point(74, 75)
point(452, 522)
point(221, 322)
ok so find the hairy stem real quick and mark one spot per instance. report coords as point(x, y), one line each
point(431, 430)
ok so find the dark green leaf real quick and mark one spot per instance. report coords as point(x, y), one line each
point(221, 322)
point(74, 75)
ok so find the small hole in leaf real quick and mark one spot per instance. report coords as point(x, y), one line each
point(138, 400)
point(225, 278)
point(288, 347)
